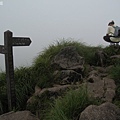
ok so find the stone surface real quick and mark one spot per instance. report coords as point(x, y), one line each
point(101, 56)
point(67, 77)
point(68, 58)
point(52, 92)
point(20, 115)
point(68, 66)
point(115, 56)
point(100, 87)
point(106, 111)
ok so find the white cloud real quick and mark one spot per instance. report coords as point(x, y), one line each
point(1, 2)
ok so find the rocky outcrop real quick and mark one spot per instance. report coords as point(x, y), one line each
point(50, 92)
point(68, 66)
point(20, 115)
point(100, 86)
point(106, 111)
point(68, 58)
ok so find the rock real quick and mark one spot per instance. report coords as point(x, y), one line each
point(52, 92)
point(100, 88)
point(93, 76)
point(37, 89)
point(20, 115)
point(67, 77)
point(109, 67)
point(93, 72)
point(96, 89)
point(47, 93)
point(106, 111)
point(99, 85)
point(68, 58)
point(97, 71)
point(109, 89)
point(115, 56)
point(101, 56)
point(68, 66)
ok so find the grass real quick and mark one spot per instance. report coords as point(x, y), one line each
point(115, 74)
point(24, 88)
point(71, 105)
point(24, 85)
point(3, 95)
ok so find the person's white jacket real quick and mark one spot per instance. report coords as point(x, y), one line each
point(111, 30)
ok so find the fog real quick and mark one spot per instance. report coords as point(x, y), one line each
point(48, 21)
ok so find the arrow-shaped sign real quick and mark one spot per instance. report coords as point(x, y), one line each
point(2, 49)
point(21, 41)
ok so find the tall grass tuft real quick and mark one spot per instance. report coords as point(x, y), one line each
point(3, 94)
point(71, 105)
point(24, 85)
point(115, 74)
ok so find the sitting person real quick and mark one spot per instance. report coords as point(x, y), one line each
point(110, 37)
point(111, 29)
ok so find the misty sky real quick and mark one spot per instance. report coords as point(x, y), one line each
point(48, 21)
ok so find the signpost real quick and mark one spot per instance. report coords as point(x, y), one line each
point(20, 41)
point(7, 49)
point(2, 49)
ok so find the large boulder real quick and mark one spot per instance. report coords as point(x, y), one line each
point(68, 58)
point(68, 66)
point(20, 115)
point(106, 111)
point(52, 92)
point(100, 86)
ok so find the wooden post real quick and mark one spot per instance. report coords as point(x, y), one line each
point(7, 49)
point(9, 70)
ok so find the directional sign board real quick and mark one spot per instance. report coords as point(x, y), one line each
point(7, 49)
point(20, 41)
point(2, 49)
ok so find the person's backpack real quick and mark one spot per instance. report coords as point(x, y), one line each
point(117, 31)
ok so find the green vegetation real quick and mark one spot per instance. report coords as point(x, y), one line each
point(3, 95)
point(71, 105)
point(41, 73)
point(115, 74)
point(24, 85)
point(41, 65)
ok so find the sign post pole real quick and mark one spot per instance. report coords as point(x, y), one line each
point(9, 70)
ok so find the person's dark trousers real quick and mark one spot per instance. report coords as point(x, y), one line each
point(107, 39)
